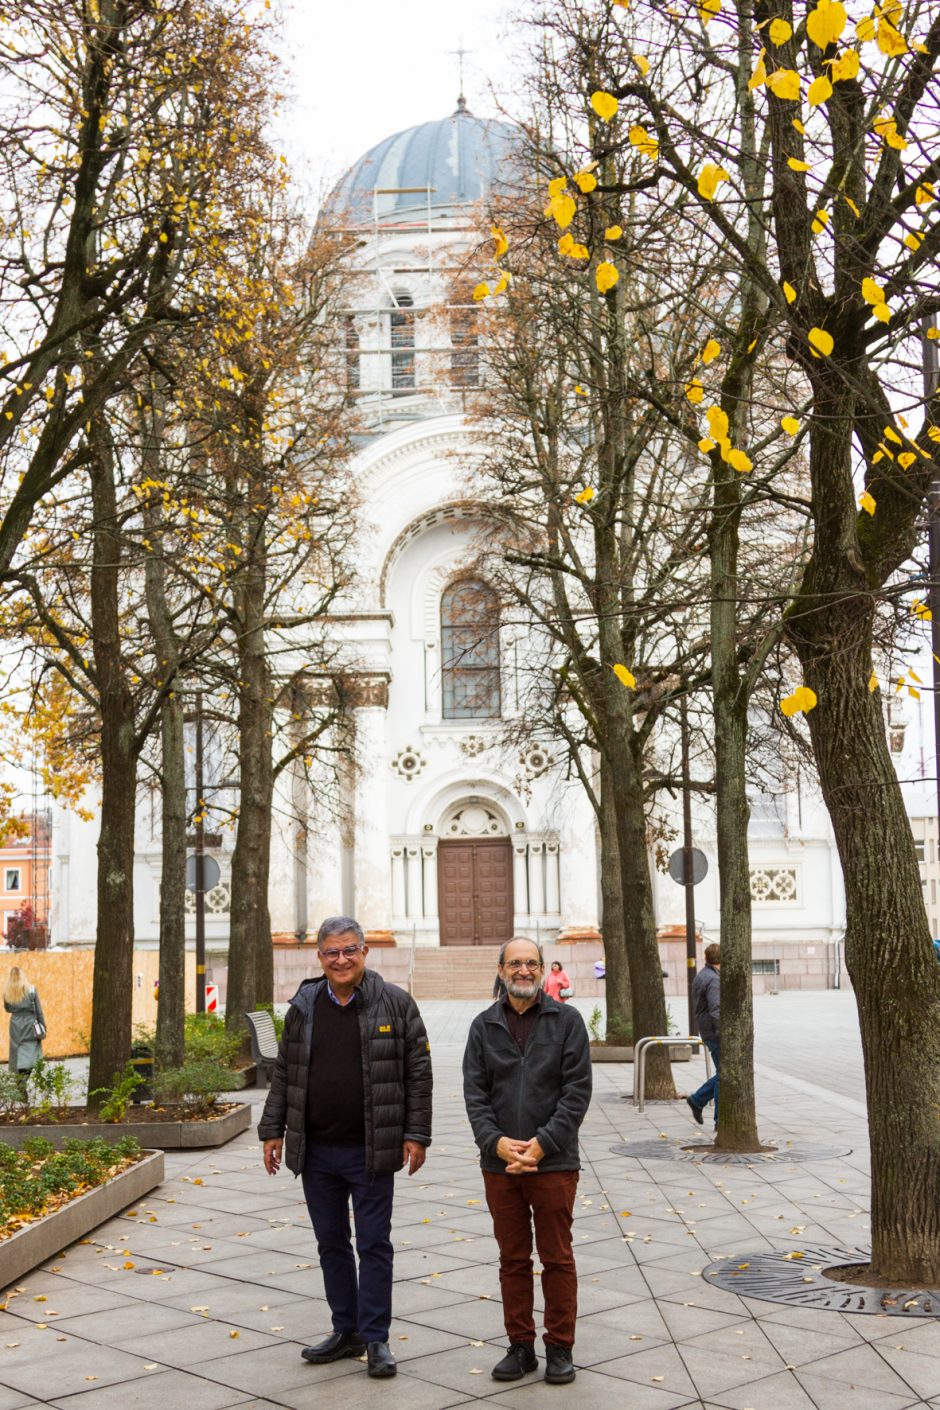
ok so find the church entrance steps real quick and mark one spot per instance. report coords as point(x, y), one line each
point(455, 972)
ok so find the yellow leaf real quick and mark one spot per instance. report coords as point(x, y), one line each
point(708, 9)
point(606, 276)
point(872, 292)
point(705, 445)
point(890, 42)
point(924, 194)
point(887, 130)
point(613, 232)
point(717, 422)
point(234, 1335)
point(644, 143)
point(913, 241)
point(801, 701)
point(604, 104)
point(709, 178)
point(892, 435)
point(790, 425)
point(933, 334)
point(906, 460)
point(785, 84)
point(867, 502)
point(710, 351)
point(826, 23)
point(933, 433)
point(865, 29)
point(557, 185)
point(789, 292)
point(694, 391)
point(739, 461)
point(502, 285)
point(500, 242)
point(567, 245)
point(482, 291)
point(759, 76)
point(779, 32)
point(882, 312)
point(795, 164)
point(851, 205)
point(562, 210)
point(820, 91)
point(580, 392)
point(846, 66)
point(624, 676)
point(585, 181)
point(795, 122)
point(586, 495)
point(872, 683)
point(821, 341)
point(642, 63)
point(820, 221)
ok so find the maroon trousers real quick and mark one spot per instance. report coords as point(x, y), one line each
point(547, 1200)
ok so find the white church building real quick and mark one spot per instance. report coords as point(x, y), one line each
point(450, 836)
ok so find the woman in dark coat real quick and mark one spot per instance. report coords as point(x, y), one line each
point(22, 1004)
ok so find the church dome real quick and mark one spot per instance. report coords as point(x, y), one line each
point(461, 158)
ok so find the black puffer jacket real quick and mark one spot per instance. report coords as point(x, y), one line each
point(396, 1074)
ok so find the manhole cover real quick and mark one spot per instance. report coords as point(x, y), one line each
point(798, 1278)
point(795, 1153)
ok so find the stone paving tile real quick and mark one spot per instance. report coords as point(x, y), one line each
point(161, 1390)
point(72, 1368)
point(14, 1399)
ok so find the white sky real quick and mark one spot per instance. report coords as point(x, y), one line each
point(358, 72)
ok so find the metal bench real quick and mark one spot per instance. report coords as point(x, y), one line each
point(263, 1042)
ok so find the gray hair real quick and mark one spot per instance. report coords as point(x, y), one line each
point(525, 939)
point(339, 925)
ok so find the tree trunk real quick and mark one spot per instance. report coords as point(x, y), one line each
point(114, 941)
point(171, 1006)
point(617, 984)
point(887, 943)
point(737, 1115)
point(250, 958)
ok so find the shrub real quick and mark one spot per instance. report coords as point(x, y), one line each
point(196, 1084)
point(594, 1024)
point(51, 1085)
point(12, 1095)
point(206, 1040)
point(118, 1097)
point(30, 1178)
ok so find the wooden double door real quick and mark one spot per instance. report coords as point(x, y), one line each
point(474, 889)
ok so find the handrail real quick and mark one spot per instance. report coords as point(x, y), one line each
point(639, 1060)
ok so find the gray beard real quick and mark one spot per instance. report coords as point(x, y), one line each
point(520, 991)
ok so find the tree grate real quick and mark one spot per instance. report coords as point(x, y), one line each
point(790, 1153)
point(797, 1278)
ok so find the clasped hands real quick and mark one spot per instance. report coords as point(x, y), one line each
point(521, 1157)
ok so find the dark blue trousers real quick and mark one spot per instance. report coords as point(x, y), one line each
point(332, 1175)
point(709, 1088)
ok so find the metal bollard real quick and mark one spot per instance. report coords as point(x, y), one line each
point(639, 1061)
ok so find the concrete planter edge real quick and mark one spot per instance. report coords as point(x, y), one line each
point(613, 1052)
point(29, 1247)
point(159, 1135)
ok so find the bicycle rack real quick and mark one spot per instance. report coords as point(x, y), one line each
point(639, 1060)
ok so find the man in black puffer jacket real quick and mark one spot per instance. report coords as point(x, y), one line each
point(352, 1090)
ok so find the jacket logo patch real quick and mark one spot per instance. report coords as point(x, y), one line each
point(385, 1028)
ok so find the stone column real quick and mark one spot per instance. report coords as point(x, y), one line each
point(372, 870)
point(520, 885)
point(398, 880)
point(536, 879)
point(552, 904)
point(413, 866)
point(429, 868)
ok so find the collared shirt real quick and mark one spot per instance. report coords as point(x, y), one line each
point(522, 1024)
point(338, 1002)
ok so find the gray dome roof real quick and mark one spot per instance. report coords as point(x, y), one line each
point(461, 158)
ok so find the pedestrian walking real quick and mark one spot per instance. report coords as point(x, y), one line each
point(557, 983)
point(349, 1105)
point(27, 1025)
point(706, 1002)
point(527, 1085)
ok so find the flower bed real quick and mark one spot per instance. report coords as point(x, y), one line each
point(49, 1198)
point(161, 1128)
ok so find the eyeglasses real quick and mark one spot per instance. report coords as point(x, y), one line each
point(515, 965)
point(348, 952)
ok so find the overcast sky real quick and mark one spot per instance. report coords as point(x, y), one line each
point(359, 72)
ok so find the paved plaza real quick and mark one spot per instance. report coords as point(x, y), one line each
point(202, 1295)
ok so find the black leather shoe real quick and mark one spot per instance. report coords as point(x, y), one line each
point(336, 1346)
point(519, 1360)
point(559, 1367)
point(695, 1110)
point(381, 1360)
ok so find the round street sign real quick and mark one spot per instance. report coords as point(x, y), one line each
point(211, 871)
point(677, 866)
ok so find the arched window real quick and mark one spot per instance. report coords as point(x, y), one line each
point(352, 355)
point(470, 651)
point(403, 343)
point(464, 342)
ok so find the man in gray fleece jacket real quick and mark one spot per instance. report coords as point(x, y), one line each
point(527, 1085)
